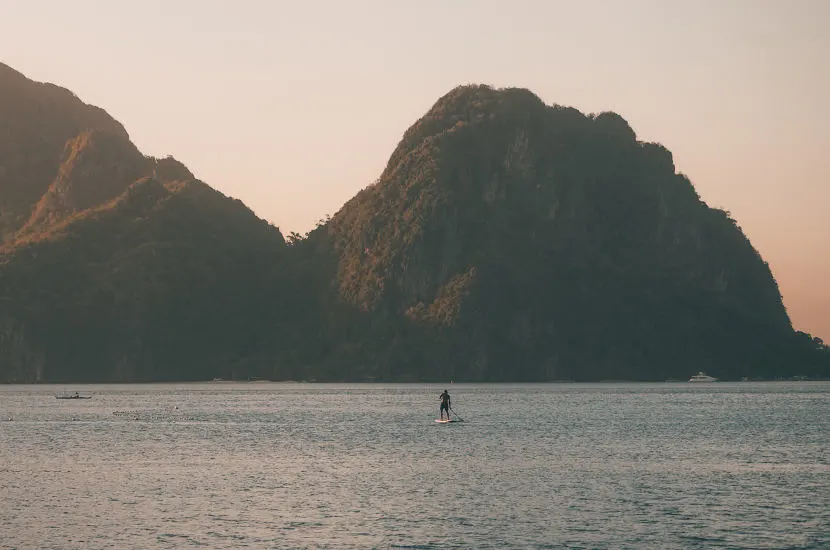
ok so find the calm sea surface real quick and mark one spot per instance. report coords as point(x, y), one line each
point(262, 465)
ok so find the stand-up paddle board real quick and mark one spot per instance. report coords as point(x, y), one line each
point(442, 421)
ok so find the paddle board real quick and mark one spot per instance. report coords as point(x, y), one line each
point(441, 421)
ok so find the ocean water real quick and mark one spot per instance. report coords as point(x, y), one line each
point(266, 465)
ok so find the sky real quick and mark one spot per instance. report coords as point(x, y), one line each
point(293, 107)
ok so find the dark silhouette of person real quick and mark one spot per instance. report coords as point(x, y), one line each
point(445, 404)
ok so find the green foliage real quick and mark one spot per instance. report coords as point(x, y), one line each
point(583, 255)
point(505, 240)
point(163, 283)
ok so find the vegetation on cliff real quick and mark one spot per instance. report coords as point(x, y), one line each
point(532, 242)
point(116, 266)
point(505, 240)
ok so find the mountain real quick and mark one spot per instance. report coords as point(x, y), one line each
point(116, 266)
point(59, 156)
point(37, 122)
point(505, 240)
point(511, 240)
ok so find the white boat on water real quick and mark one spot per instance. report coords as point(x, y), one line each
point(702, 377)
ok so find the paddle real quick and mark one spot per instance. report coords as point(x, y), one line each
point(456, 414)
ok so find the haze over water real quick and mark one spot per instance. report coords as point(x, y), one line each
point(262, 465)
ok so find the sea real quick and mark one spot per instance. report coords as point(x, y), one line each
point(742, 465)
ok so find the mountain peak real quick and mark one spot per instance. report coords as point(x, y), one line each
point(37, 120)
point(505, 240)
point(463, 105)
point(509, 219)
point(96, 166)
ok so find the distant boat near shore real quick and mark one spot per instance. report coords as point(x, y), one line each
point(76, 395)
point(702, 377)
point(236, 381)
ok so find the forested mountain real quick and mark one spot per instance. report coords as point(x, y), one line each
point(505, 240)
point(116, 266)
point(521, 241)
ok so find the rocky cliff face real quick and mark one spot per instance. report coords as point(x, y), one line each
point(542, 243)
point(505, 240)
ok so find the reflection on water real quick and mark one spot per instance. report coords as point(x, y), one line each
point(353, 466)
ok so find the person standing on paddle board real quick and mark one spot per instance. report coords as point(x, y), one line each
point(445, 404)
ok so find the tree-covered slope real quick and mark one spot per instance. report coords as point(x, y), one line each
point(505, 240)
point(37, 121)
point(116, 266)
point(164, 282)
point(535, 242)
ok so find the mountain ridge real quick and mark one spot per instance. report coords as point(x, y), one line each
point(490, 179)
point(505, 240)
point(113, 263)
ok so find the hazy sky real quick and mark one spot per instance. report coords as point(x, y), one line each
point(295, 106)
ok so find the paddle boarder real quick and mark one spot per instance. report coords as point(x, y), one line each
point(445, 404)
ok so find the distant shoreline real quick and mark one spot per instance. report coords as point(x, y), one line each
point(406, 383)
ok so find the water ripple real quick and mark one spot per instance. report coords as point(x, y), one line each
point(364, 466)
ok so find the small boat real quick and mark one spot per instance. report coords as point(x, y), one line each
point(76, 395)
point(702, 377)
